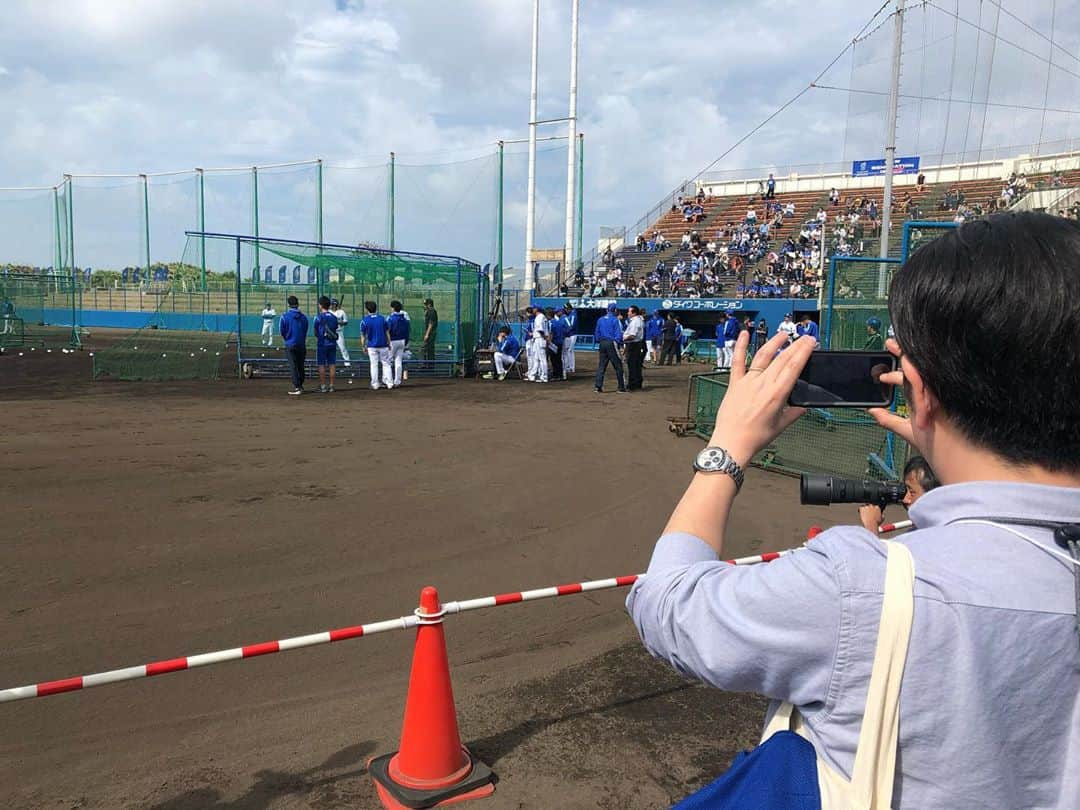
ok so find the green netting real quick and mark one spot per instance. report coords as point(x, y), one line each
point(39, 310)
point(836, 441)
point(308, 270)
point(857, 291)
point(158, 352)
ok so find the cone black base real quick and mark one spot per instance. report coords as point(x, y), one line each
point(479, 776)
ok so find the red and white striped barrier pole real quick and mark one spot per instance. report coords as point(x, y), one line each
point(894, 527)
point(296, 642)
point(166, 666)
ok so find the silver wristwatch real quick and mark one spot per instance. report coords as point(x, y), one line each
point(719, 460)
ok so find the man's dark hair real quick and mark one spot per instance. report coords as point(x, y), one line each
point(428, 302)
point(632, 310)
point(504, 331)
point(370, 306)
point(324, 302)
point(395, 305)
point(961, 308)
point(293, 301)
point(920, 468)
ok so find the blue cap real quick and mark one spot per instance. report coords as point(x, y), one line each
point(560, 311)
point(874, 323)
point(729, 312)
point(612, 308)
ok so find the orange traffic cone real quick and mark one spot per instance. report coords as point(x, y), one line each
point(432, 768)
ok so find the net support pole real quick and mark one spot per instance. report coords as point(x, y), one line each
point(146, 218)
point(56, 223)
point(254, 222)
point(571, 145)
point(499, 222)
point(890, 141)
point(239, 316)
point(580, 196)
point(201, 213)
point(530, 204)
point(75, 340)
point(390, 209)
point(319, 219)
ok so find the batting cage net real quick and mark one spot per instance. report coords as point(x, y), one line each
point(265, 272)
point(167, 348)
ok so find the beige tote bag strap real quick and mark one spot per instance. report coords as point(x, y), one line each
point(875, 758)
point(780, 721)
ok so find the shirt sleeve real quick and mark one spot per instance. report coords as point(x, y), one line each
point(772, 628)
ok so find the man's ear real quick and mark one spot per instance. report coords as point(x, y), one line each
point(922, 401)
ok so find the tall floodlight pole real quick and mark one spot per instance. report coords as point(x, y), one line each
point(530, 214)
point(580, 193)
point(890, 140)
point(571, 142)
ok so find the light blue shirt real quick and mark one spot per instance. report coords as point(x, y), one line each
point(990, 702)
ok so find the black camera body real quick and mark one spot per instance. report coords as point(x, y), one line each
point(822, 490)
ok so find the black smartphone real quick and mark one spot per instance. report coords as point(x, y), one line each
point(844, 380)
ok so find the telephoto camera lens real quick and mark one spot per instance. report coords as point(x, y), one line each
point(822, 490)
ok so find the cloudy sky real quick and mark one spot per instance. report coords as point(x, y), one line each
point(129, 86)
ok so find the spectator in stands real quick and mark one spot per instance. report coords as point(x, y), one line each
point(685, 243)
point(751, 216)
point(789, 209)
point(293, 326)
point(770, 188)
point(920, 182)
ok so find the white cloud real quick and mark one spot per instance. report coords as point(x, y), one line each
point(99, 86)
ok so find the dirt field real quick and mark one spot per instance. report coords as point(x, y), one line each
point(148, 521)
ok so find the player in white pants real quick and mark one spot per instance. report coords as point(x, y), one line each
point(539, 347)
point(268, 315)
point(338, 312)
point(374, 337)
point(568, 357)
point(397, 327)
point(505, 355)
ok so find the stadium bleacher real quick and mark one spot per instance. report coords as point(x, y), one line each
point(909, 202)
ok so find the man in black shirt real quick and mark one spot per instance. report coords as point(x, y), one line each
point(431, 328)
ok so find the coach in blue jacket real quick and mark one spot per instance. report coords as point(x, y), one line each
point(608, 336)
point(294, 328)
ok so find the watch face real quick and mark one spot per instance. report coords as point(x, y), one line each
point(711, 458)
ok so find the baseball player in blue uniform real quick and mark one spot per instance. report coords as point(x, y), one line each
point(373, 336)
point(326, 338)
point(726, 335)
point(397, 326)
point(507, 349)
point(570, 341)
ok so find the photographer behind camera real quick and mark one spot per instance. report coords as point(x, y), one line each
point(918, 479)
point(980, 704)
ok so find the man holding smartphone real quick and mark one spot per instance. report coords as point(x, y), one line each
point(988, 714)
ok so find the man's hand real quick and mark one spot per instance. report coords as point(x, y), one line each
point(871, 516)
point(755, 409)
point(886, 418)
